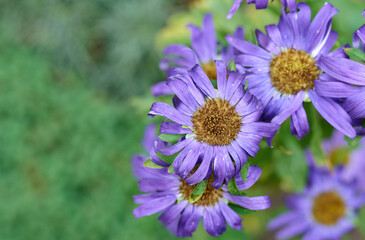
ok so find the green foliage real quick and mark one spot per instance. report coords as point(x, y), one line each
point(150, 164)
point(170, 137)
point(198, 191)
point(355, 54)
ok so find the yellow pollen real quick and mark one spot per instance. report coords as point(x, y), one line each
point(338, 156)
point(293, 71)
point(210, 69)
point(328, 208)
point(216, 123)
point(210, 197)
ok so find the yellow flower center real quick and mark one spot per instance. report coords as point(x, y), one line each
point(209, 198)
point(328, 208)
point(293, 71)
point(216, 123)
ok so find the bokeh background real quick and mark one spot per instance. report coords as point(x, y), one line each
point(74, 97)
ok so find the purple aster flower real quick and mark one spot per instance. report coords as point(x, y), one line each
point(260, 4)
point(338, 153)
point(294, 64)
point(324, 210)
point(180, 58)
point(169, 194)
point(217, 125)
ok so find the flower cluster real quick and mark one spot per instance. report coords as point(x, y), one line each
point(228, 96)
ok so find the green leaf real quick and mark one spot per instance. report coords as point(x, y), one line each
point(150, 164)
point(232, 187)
point(232, 66)
point(167, 158)
point(170, 137)
point(355, 54)
point(244, 170)
point(171, 169)
point(198, 191)
point(240, 210)
point(353, 143)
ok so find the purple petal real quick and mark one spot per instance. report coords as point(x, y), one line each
point(296, 103)
point(190, 160)
point(232, 218)
point(251, 61)
point(235, 80)
point(253, 175)
point(274, 34)
point(208, 223)
point(260, 128)
point(252, 203)
point(249, 142)
point(182, 92)
point(294, 228)
point(149, 184)
point(221, 78)
point(173, 128)
point(176, 147)
point(203, 169)
point(153, 206)
point(247, 47)
point(334, 89)
point(194, 219)
point(355, 105)
point(266, 43)
point(320, 26)
point(282, 220)
point(181, 107)
point(170, 214)
point(210, 35)
point(219, 168)
point(234, 8)
point(201, 79)
point(299, 122)
point(199, 44)
point(333, 113)
point(161, 89)
point(164, 109)
point(343, 69)
point(149, 137)
point(183, 220)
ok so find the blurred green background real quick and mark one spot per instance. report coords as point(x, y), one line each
point(74, 94)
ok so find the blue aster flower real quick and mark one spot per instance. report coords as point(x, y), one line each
point(260, 4)
point(168, 194)
point(179, 58)
point(294, 64)
point(216, 125)
point(326, 208)
point(337, 153)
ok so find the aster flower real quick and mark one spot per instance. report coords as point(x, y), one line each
point(260, 4)
point(294, 64)
point(215, 124)
point(338, 153)
point(179, 58)
point(324, 210)
point(169, 194)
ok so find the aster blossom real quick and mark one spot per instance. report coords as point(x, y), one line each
point(216, 125)
point(169, 194)
point(260, 4)
point(294, 64)
point(180, 58)
point(338, 153)
point(324, 210)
